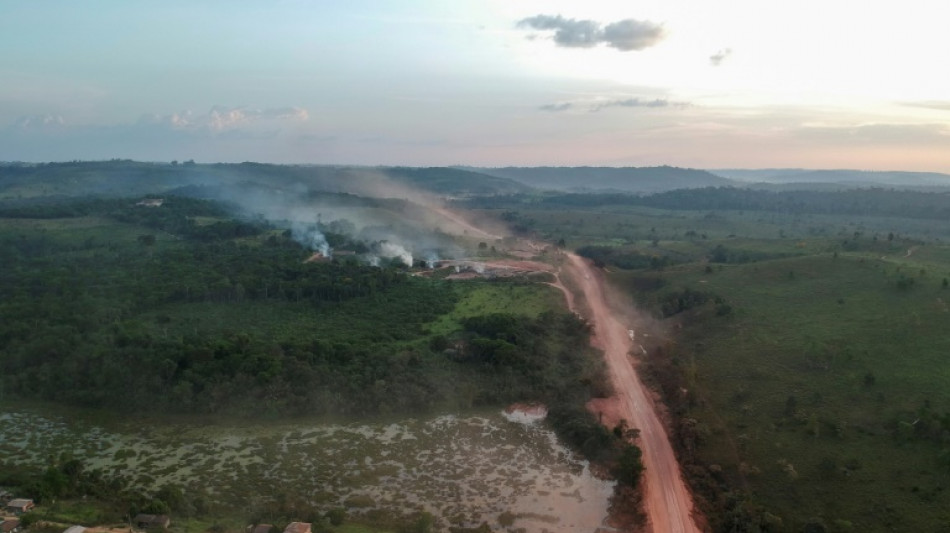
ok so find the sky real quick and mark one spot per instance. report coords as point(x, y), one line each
point(691, 83)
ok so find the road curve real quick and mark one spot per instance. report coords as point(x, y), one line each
point(667, 501)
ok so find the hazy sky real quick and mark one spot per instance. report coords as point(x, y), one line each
point(739, 83)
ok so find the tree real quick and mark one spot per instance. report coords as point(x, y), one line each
point(791, 406)
point(629, 466)
point(423, 523)
point(336, 516)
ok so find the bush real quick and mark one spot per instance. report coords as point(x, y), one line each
point(336, 516)
point(629, 466)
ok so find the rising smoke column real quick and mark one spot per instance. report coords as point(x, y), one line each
point(309, 235)
point(393, 250)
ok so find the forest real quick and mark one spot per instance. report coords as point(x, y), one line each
point(878, 202)
point(190, 308)
point(213, 317)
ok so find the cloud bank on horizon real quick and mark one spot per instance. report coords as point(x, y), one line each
point(536, 82)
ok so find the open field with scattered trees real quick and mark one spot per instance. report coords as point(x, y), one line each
point(802, 353)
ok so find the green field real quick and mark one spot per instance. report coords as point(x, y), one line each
point(813, 393)
point(804, 356)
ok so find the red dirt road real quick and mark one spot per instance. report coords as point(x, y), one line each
point(667, 501)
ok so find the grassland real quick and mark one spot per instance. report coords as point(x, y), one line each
point(805, 358)
point(529, 299)
point(804, 393)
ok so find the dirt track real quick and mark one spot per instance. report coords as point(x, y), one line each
point(667, 501)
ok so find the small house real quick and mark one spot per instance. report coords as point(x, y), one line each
point(297, 527)
point(260, 528)
point(20, 505)
point(151, 521)
point(10, 525)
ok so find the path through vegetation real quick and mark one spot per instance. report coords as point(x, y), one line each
point(667, 501)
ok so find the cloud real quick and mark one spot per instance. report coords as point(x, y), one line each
point(624, 35)
point(629, 34)
point(636, 102)
point(223, 119)
point(39, 122)
point(878, 134)
point(720, 56)
point(557, 107)
point(940, 105)
point(598, 105)
point(571, 33)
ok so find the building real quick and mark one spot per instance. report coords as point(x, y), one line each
point(260, 528)
point(151, 521)
point(10, 525)
point(20, 505)
point(75, 529)
point(297, 527)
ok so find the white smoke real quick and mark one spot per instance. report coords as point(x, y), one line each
point(393, 250)
point(431, 259)
point(309, 235)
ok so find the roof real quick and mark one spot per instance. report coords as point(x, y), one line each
point(75, 529)
point(9, 524)
point(20, 502)
point(262, 528)
point(152, 519)
point(297, 527)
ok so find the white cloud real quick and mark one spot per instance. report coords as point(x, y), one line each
point(593, 106)
point(39, 122)
point(222, 118)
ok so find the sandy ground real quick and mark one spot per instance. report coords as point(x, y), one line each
point(667, 501)
point(568, 295)
point(520, 265)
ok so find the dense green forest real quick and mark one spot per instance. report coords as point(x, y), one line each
point(184, 308)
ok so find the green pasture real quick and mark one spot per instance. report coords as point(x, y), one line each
point(806, 393)
point(82, 232)
point(482, 298)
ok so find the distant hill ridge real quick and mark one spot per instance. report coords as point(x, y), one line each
point(842, 176)
point(623, 179)
point(129, 178)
